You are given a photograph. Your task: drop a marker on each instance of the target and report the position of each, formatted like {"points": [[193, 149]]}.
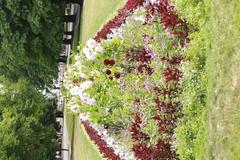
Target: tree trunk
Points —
{"points": [[69, 18]]}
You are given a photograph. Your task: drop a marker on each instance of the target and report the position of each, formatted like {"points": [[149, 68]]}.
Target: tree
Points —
{"points": [[26, 123], [30, 39]]}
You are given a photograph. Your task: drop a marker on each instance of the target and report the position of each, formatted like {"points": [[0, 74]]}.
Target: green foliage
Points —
{"points": [[30, 42], [194, 12], [209, 127], [26, 123], [31, 33], [191, 132]]}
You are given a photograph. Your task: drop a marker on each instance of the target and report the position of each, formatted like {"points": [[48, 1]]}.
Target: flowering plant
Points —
{"points": [[127, 78]]}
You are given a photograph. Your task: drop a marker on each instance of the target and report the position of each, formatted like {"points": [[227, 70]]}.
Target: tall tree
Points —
{"points": [[30, 39], [26, 123]]}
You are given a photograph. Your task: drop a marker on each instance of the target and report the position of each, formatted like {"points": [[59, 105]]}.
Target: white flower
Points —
{"points": [[110, 141], [91, 43], [74, 108], [84, 117], [75, 90], [82, 75], [91, 102], [86, 50], [86, 85], [77, 58], [140, 18], [85, 98], [95, 72], [152, 1], [91, 55], [99, 49], [89, 52], [78, 64]]}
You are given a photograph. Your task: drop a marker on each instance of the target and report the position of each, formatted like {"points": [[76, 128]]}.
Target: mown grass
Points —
{"points": [[224, 81], [70, 117], [83, 148], [94, 14]]}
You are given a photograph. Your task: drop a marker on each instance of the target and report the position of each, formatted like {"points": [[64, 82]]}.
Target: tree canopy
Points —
{"points": [[30, 39], [31, 33], [26, 123]]}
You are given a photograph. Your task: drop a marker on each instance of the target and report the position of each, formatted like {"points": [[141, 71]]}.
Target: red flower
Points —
{"points": [[157, 90], [106, 62], [159, 104], [172, 74], [117, 75], [111, 62], [108, 72], [75, 81], [137, 101]]}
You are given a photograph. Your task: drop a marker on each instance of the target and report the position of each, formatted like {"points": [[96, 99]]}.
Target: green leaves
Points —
{"points": [[31, 33], [30, 42], [23, 129]]}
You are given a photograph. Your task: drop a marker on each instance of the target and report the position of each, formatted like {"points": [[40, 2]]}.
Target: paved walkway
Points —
{"points": [[66, 142]]}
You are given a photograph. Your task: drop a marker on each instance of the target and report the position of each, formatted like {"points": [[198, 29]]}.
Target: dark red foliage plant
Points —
{"points": [[164, 10], [118, 20], [136, 134], [107, 151]]}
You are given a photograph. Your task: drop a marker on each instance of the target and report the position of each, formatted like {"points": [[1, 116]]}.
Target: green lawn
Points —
{"points": [[70, 117], [224, 81], [83, 148], [94, 14]]}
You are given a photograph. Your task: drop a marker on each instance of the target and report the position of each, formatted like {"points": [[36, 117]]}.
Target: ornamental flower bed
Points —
{"points": [[107, 152], [128, 80]]}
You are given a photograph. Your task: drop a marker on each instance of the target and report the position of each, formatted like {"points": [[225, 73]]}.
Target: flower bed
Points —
{"points": [[127, 80], [107, 152]]}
